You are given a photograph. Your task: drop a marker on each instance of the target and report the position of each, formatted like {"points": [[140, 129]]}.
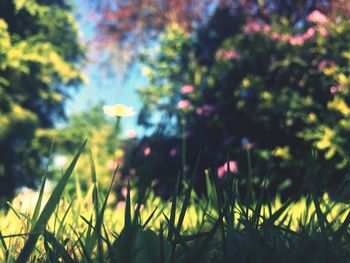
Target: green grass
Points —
{"points": [[221, 227]]}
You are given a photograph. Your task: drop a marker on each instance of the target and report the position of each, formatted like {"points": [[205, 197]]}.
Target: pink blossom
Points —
{"points": [[187, 89], [276, 36], [147, 151], [296, 40], [333, 90], [323, 31], [325, 63], [184, 104], [309, 33], [336, 89], [266, 28], [112, 165], [222, 170], [228, 54], [173, 152], [121, 205], [317, 17], [124, 191], [131, 134], [255, 27]]}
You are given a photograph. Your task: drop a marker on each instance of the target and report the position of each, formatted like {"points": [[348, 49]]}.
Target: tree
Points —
{"points": [[127, 26], [39, 56]]}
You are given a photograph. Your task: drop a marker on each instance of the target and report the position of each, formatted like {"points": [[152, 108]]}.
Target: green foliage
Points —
{"points": [[100, 130], [39, 55], [266, 85]]}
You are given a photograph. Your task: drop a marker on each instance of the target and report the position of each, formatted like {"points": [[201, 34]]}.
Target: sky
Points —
{"points": [[111, 89]]}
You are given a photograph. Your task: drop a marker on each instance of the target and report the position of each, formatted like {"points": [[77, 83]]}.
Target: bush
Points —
{"points": [[275, 89]]}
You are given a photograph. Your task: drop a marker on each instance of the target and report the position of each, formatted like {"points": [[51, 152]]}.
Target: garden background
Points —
{"points": [[225, 122]]}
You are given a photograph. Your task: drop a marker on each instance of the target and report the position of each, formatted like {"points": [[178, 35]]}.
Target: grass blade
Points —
{"points": [[48, 210]]}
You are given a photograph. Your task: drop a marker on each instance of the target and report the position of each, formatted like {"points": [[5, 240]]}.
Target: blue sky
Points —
{"points": [[111, 90]]}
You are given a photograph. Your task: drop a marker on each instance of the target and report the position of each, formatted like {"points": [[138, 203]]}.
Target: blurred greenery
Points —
{"points": [[39, 59], [264, 85]]}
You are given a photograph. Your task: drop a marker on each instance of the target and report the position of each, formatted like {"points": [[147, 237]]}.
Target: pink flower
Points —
{"points": [[147, 151], [121, 205], [336, 89], [323, 31], [296, 40], [112, 165], [317, 17], [256, 27], [333, 89], [124, 191], [173, 152], [325, 63], [222, 170], [266, 28], [131, 134], [228, 54], [187, 89], [309, 33], [276, 36], [184, 104]]}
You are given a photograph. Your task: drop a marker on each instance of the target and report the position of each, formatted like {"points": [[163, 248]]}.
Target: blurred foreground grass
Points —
{"points": [[54, 226]]}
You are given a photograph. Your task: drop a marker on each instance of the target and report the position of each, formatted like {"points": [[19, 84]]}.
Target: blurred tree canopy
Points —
{"points": [[130, 25], [39, 56]]}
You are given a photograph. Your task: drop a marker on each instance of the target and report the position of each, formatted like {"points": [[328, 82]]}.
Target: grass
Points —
{"points": [[221, 227]]}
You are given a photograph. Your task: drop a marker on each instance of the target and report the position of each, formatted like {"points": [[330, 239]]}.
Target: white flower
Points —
{"points": [[118, 110]]}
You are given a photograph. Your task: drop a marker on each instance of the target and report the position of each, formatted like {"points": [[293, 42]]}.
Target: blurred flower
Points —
{"points": [[283, 152], [276, 36], [296, 40], [325, 63], [206, 110], [322, 30], [312, 117], [147, 151], [124, 191], [60, 161], [146, 71], [246, 144], [121, 205], [118, 110], [119, 153], [173, 152], [309, 33], [187, 89], [222, 170], [334, 89], [184, 104], [26, 198], [256, 27], [132, 171], [228, 54], [131, 134], [155, 182], [317, 17], [112, 165]]}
